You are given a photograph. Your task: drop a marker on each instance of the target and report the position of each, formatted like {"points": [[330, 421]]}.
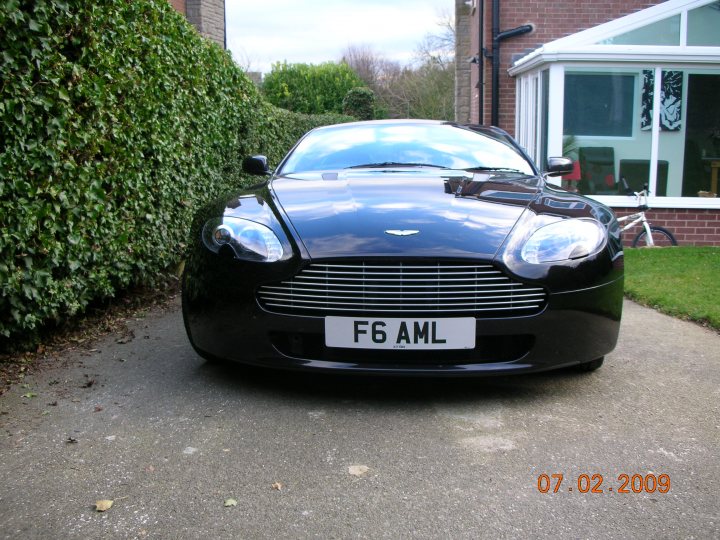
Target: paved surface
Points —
{"points": [[170, 438]]}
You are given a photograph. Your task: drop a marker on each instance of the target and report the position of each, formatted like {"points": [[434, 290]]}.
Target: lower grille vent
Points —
{"points": [[386, 288]]}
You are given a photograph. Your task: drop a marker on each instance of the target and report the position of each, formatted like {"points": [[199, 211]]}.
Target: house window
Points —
{"points": [[629, 113], [608, 123], [699, 144], [545, 107], [703, 24], [599, 104], [602, 130]]}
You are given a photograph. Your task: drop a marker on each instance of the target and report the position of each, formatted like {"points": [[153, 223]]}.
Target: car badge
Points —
{"points": [[401, 232]]}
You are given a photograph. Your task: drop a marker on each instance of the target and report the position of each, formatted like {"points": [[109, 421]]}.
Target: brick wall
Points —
{"points": [[179, 5], [463, 48], [691, 227], [208, 16], [552, 20]]}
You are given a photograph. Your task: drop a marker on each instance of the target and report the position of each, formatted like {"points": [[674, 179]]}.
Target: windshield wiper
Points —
{"points": [[481, 168], [394, 164]]}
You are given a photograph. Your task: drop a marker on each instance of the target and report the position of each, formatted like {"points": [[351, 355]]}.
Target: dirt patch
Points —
{"points": [[83, 331]]}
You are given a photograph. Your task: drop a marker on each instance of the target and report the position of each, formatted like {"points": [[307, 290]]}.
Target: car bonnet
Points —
{"points": [[413, 213]]}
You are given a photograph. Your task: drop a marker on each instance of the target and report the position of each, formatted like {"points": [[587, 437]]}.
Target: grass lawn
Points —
{"points": [[681, 281]]}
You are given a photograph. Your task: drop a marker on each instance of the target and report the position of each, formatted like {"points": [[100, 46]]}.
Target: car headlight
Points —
{"points": [[564, 240], [249, 241]]}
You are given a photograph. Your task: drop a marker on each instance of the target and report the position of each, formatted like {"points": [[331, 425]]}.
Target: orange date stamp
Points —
{"points": [[597, 483]]}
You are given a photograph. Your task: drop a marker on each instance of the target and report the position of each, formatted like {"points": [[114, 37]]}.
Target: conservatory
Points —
{"points": [[632, 101]]}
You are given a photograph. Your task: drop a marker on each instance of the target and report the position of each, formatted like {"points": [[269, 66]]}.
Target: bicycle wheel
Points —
{"points": [[661, 237]]}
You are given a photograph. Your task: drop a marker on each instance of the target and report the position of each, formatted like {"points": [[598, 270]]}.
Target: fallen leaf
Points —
{"points": [[103, 505], [29, 395], [230, 502], [358, 470], [278, 486], [126, 338]]}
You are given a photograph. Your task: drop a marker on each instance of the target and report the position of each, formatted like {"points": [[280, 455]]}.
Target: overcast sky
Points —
{"points": [[260, 33]]}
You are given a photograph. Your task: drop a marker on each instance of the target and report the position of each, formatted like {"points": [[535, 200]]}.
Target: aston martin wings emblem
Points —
{"points": [[401, 232]]}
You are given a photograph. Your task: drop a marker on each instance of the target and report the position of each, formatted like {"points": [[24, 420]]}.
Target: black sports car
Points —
{"points": [[405, 247]]}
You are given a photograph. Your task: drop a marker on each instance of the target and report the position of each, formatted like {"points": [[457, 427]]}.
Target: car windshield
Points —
{"points": [[395, 144]]}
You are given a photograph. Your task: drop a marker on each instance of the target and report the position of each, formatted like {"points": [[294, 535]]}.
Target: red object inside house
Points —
{"points": [[575, 174]]}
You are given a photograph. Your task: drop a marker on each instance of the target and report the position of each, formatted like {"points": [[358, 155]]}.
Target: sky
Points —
{"points": [[260, 33]]}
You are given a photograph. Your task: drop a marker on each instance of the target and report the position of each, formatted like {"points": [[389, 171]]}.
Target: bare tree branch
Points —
{"points": [[425, 89]]}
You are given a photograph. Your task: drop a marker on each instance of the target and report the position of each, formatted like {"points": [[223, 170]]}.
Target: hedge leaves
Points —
{"points": [[117, 120]]}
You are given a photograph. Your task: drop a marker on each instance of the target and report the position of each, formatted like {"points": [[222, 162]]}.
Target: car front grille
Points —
{"points": [[407, 288]]}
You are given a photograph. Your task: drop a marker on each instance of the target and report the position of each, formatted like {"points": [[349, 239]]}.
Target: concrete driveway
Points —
{"points": [[170, 438]]}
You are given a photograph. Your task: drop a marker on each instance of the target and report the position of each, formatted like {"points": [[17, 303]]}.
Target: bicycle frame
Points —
{"points": [[639, 217]]}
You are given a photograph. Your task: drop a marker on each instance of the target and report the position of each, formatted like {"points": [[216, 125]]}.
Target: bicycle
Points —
{"points": [[650, 235]]}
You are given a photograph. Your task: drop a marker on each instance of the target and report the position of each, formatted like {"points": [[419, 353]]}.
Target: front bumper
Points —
{"points": [[224, 321]]}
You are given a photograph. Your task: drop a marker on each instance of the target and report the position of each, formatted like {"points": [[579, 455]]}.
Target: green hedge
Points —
{"points": [[309, 88], [360, 103], [274, 131], [117, 120]]}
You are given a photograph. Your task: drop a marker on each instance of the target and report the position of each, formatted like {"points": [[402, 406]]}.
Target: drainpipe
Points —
{"points": [[481, 62], [224, 26], [497, 37]]}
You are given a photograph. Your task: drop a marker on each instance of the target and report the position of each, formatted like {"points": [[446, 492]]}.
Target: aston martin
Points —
{"points": [[405, 247]]}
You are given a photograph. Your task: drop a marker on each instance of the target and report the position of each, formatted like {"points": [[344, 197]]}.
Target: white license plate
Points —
{"points": [[390, 333]]}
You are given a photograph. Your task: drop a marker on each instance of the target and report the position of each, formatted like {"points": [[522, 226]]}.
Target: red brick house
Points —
{"points": [[585, 78]]}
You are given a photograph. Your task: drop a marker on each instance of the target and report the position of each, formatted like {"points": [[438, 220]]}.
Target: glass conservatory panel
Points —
{"points": [[703, 25], [602, 128], [700, 139], [599, 104], [665, 32]]}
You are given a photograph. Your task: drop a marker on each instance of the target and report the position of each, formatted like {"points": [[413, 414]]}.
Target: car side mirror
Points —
{"points": [[256, 165], [557, 166]]}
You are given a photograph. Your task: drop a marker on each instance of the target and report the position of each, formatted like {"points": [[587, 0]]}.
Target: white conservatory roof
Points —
{"points": [[676, 31]]}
